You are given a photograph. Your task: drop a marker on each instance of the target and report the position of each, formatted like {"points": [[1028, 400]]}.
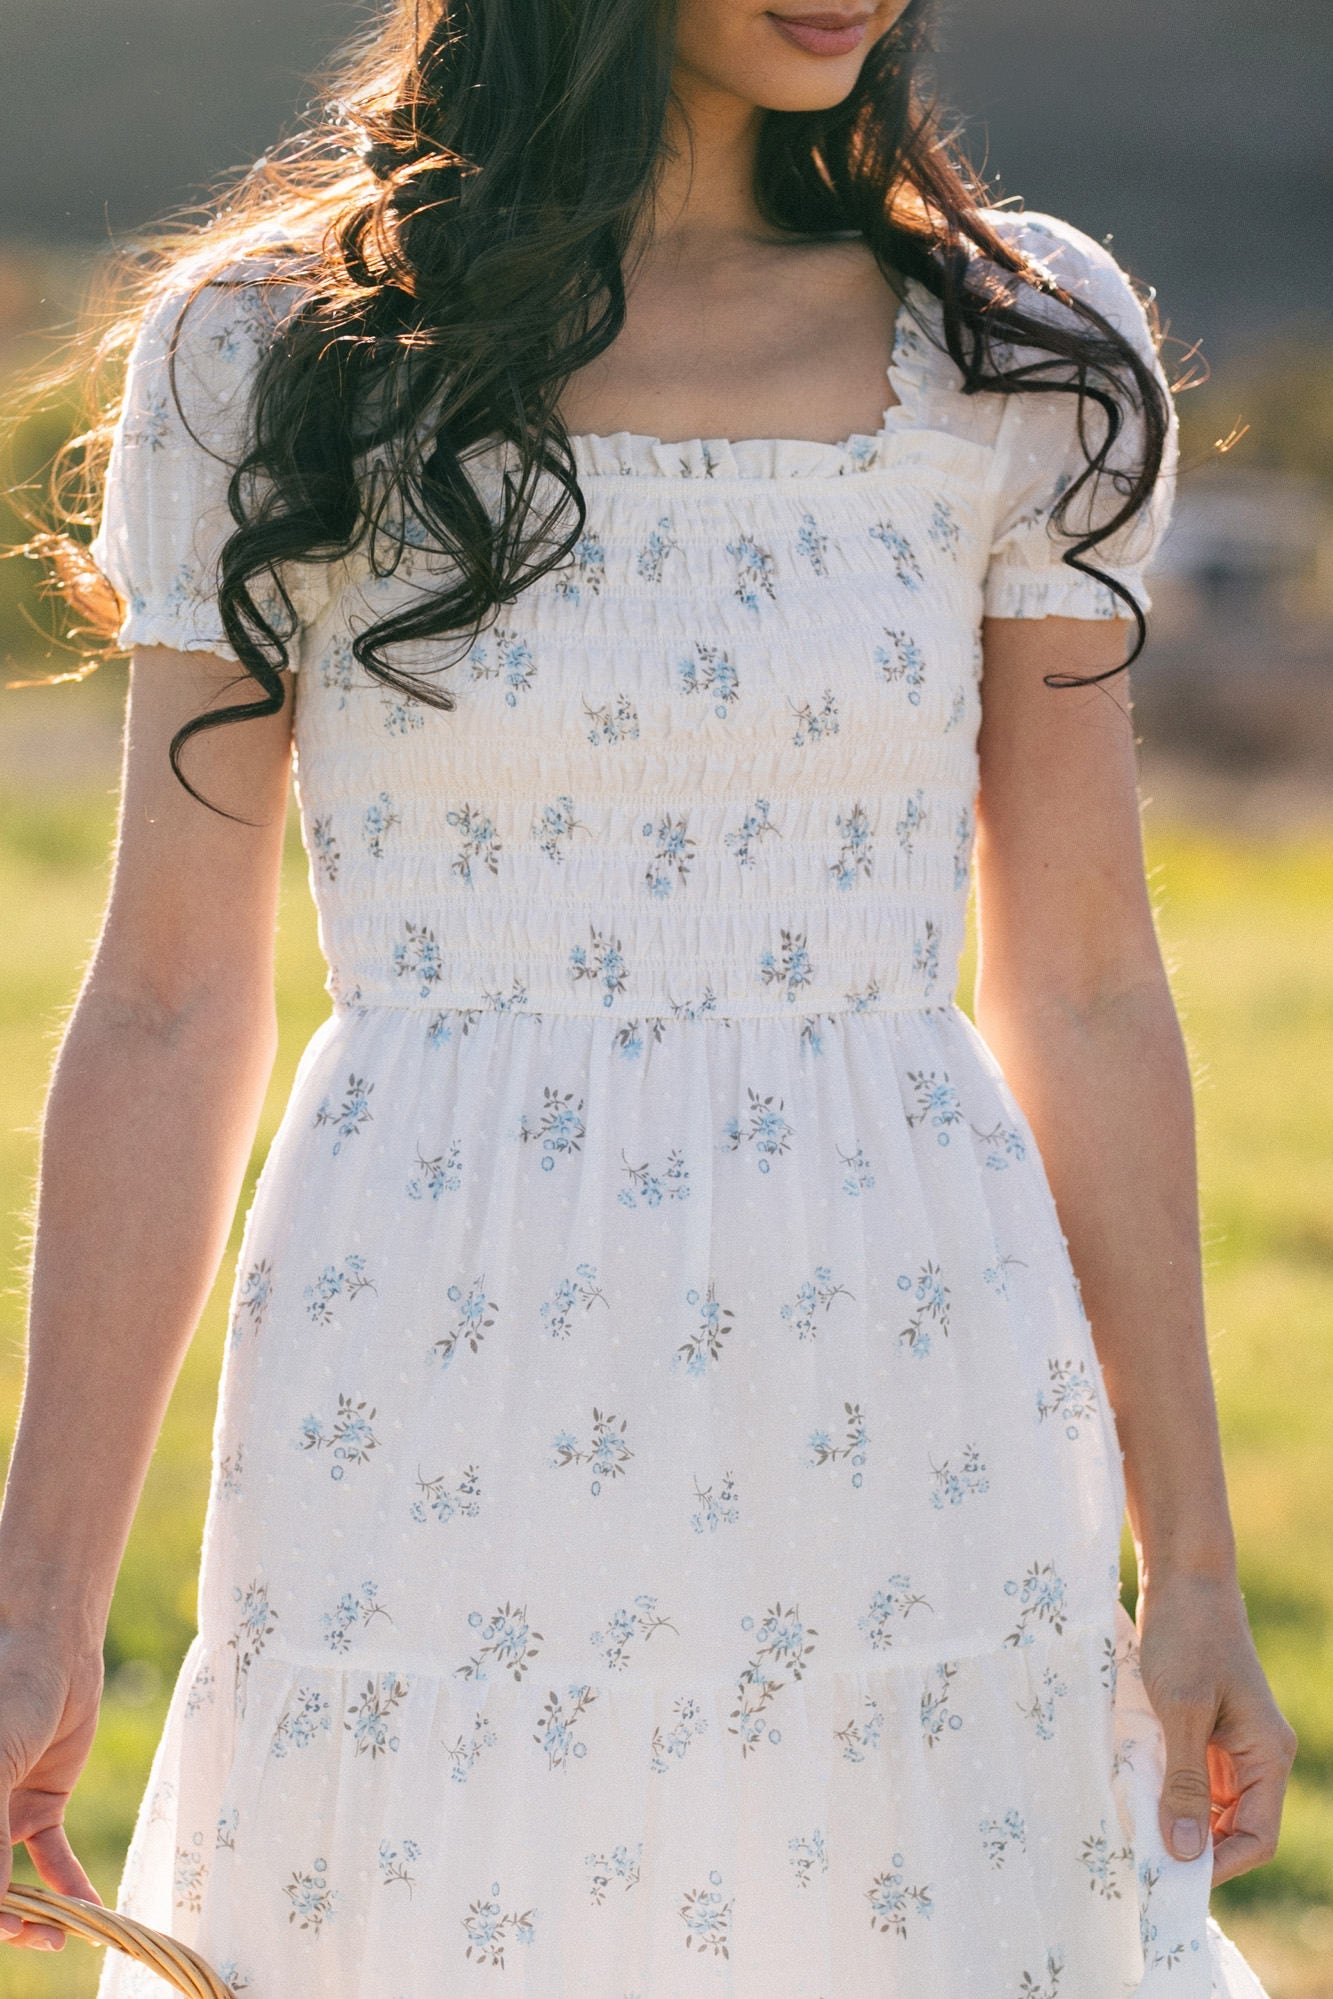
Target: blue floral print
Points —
{"points": [[491, 1928], [893, 1902], [606, 1452], [706, 1342], [669, 1745], [717, 1507], [706, 1914], [625, 1627], [709, 670], [902, 663], [651, 1245]]}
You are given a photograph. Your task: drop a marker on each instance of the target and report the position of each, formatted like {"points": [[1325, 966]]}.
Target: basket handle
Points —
{"points": [[181, 1967]]}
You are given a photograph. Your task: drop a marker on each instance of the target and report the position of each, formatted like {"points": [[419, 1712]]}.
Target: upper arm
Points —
{"points": [[190, 921], [1063, 903], [1062, 898]]}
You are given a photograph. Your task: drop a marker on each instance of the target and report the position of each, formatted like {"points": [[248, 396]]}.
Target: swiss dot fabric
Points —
{"points": [[665, 1509]]}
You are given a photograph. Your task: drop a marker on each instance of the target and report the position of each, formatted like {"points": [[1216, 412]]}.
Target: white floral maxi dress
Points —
{"points": [[665, 1511]]}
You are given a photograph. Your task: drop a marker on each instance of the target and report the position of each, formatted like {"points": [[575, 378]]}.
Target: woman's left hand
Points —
{"points": [[1229, 1748]]}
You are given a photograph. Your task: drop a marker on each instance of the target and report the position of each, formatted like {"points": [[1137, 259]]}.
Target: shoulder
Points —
{"points": [[196, 342], [1081, 265]]}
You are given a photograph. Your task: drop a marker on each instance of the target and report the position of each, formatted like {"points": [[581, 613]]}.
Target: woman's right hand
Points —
{"points": [[49, 1697]]}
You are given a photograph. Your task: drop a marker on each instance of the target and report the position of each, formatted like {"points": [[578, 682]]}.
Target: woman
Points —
{"points": [[666, 1497]]}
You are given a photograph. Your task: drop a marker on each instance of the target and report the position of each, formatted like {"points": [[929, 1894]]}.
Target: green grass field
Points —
{"points": [[1245, 924]]}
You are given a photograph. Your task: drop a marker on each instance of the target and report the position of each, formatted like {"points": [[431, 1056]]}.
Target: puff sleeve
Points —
{"points": [[1038, 455], [164, 516]]}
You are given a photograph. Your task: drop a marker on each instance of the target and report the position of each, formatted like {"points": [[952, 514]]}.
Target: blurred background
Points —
{"points": [[1195, 138]]}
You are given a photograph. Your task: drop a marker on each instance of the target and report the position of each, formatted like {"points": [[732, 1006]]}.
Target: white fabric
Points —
{"points": [[665, 1512]]}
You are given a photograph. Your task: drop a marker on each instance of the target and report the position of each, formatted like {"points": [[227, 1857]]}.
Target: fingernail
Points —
{"points": [[1187, 1838]]}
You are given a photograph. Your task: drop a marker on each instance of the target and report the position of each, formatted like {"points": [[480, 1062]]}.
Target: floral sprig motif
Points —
{"points": [[816, 1294], [349, 1436], [417, 956], [673, 856], [705, 1343], [491, 1929], [754, 571], [755, 825], [621, 1865], [369, 1717], [1049, 1988], [448, 1501], [395, 1862], [902, 663], [625, 1626], [999, 1835], [823, 1450], [256, 1622], [861, 1735], [782, 1641], [892, 1902], [343, 1280], [716, 1508], [508, 1644], [789, 966], [616, 721], [936, 1102], [710, 671], [937, 1716], [479, 844], [706, 1915], [905, 565], [474, 1316], [1041, 1596], [764, 1127], [894, 1600], [606, 1453], [813, 724], [348, 1117], [557, 1311], [311, 1897], [353, 1607], [930, 1294], [554, 1732], [1103, 1862], [440, 1174], [509, 660], [855, 858], [600, 960], [1071, 1397], [559, 1129], [670, 1745], [956, 1482]]}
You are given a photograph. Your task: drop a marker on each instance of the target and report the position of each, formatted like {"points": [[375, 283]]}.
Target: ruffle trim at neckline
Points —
{"points": [[915, 359]]}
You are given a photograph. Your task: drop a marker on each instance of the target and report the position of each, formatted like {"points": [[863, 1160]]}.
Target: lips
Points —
{"points": [[823, 34]]}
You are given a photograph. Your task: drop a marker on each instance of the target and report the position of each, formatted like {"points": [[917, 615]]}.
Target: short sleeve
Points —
{"points": [[1038, 455], [165, 516]]}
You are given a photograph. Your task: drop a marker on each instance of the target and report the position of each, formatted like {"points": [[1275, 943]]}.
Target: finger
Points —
{"points": [[53, 1857], [1183, 1811], [10, 1924], [1251, 1836]]}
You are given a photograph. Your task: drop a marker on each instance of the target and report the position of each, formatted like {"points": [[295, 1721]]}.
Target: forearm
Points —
{"points": [[1106, 1088], [145, 1139]]}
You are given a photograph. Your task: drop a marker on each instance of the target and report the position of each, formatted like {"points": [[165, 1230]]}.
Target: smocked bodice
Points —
{"points": [[722, 762]]}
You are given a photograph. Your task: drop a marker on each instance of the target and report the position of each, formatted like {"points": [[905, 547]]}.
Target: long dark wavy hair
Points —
{"points": [[463, 203]]}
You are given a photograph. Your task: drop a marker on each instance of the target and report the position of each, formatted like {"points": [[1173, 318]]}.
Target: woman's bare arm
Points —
{"points": [[1073, 998], [147, 1131]]}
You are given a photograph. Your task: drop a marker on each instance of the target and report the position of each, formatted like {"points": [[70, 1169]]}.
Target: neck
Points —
{"points": [[704, 199]]}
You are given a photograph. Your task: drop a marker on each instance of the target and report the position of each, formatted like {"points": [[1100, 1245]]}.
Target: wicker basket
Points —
{"points": [[183, 1969]]}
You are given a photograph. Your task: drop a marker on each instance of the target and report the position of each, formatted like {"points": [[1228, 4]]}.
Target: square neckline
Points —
{"points": [[643, 443]]}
